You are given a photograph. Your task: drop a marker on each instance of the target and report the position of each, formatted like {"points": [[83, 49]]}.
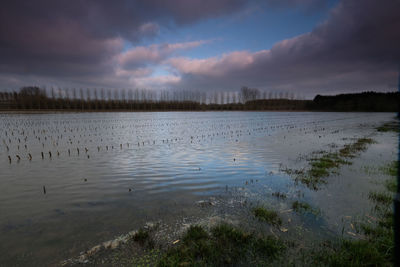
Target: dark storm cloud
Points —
{"points": [[356, 48], [81, 37]]}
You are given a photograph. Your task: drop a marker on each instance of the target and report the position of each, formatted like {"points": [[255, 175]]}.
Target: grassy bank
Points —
{"points": [[223, 245]]}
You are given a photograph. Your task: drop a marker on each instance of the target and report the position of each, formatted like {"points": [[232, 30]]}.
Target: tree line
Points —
{"points": [[366, 101], [36, 98]]}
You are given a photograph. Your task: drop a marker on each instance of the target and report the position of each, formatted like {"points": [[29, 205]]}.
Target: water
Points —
{"points": [[135, 167]]}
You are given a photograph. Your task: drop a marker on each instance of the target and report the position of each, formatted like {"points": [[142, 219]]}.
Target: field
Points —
{"points": [[283, 182]]}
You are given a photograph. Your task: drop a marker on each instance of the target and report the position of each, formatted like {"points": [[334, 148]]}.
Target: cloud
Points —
{"points": [[60, 48], [356, 48], [136, 65], [81, 43], [217, 66], [149, 29], [138, 72], [143, 55], [76, 39]]}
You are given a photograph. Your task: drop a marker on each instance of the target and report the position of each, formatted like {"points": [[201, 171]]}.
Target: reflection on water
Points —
{"points": [[107, 173]]}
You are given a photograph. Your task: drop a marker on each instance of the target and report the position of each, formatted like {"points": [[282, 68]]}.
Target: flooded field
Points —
{"points": [[71, 181]]}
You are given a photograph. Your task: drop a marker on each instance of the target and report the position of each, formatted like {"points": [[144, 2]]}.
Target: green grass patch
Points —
{"points": [[303, 207], [325, 165], [391, 186], [269, 216], [346, 152], [143, 238], [350, 150], [279, 195], [392, 126], [362, 142], [391, 168], [150, 258], [381, 197], [311, 182], [320, 168], [351, 253], [225, 245]]}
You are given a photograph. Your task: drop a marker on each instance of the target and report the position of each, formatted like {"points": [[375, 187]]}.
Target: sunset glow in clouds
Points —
{"points": [[306, 46]]}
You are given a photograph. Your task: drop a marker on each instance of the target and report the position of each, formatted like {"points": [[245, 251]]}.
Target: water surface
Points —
{"points": [[108, 173]]}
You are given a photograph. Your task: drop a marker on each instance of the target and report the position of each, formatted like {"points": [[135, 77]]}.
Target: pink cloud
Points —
{"points": [[217, 66], [143, 55]]}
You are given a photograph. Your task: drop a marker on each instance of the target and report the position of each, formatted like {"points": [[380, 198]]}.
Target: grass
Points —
{"points": [[149, 259], [390, 169], [224, 245], [143, 238], [349, 150], [377, 249], [269, 216], [311, 182], [303, 207], [320, 168], [391, 185], [380, 197], [326, 164], [389, 127], [279, 195], [351, 253]]}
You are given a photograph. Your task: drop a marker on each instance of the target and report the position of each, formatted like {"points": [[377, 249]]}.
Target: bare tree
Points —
{"points": [[247, 94]]}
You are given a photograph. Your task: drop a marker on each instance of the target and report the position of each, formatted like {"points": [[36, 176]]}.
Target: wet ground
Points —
{"points": [[107, 174]]}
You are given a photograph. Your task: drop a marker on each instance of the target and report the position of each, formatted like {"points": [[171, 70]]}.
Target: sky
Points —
{"points": [[304, 47]]}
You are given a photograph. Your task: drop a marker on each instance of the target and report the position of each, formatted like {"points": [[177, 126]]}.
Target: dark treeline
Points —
{"points": [[367, 101], [36, 98]]}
